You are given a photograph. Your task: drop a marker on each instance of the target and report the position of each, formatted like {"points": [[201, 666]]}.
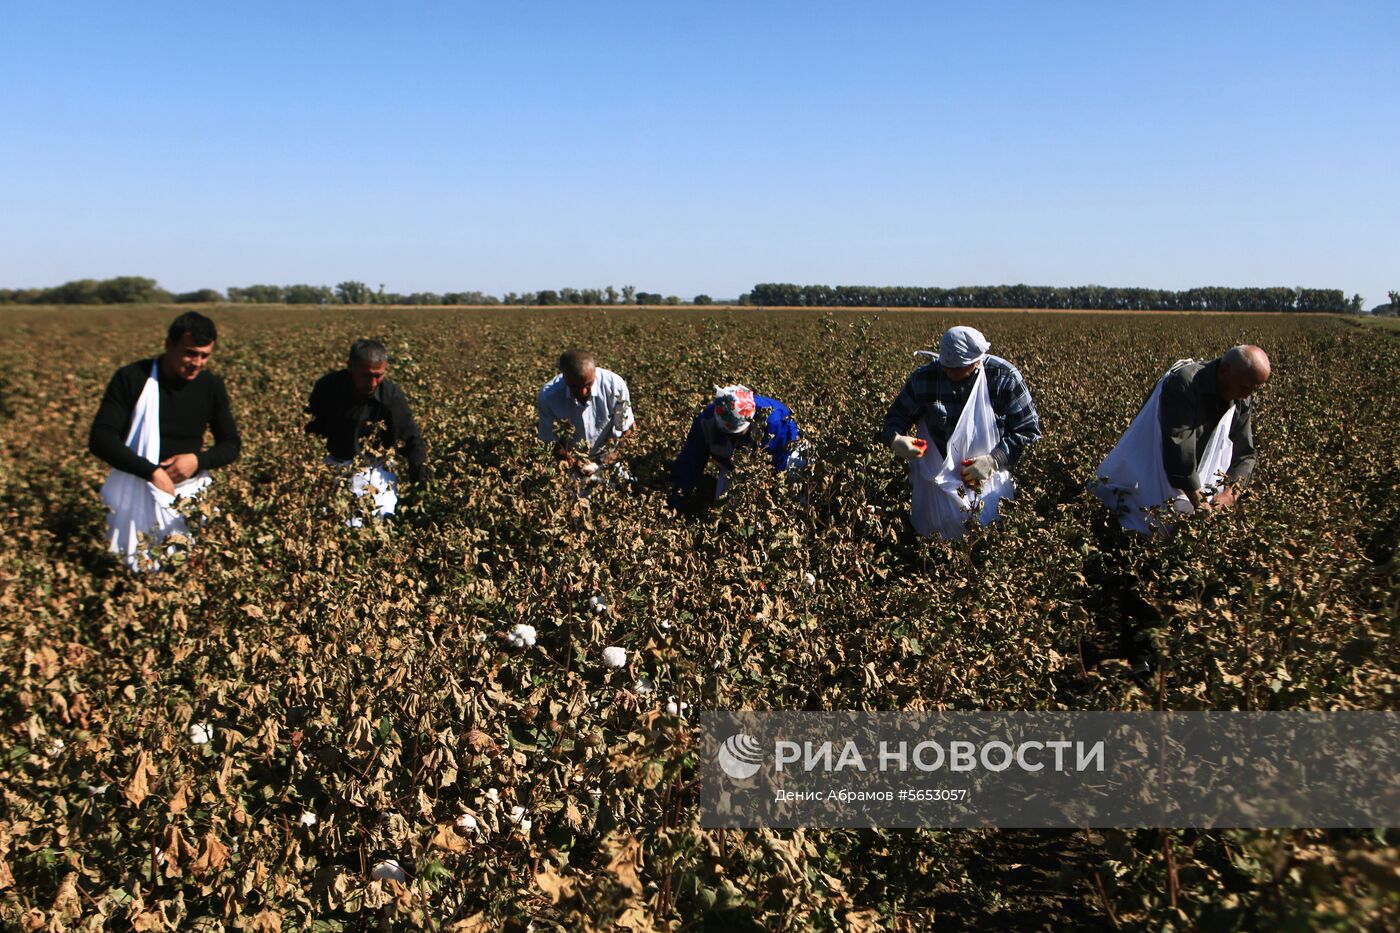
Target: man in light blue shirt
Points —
{"points": [[595, 402]]}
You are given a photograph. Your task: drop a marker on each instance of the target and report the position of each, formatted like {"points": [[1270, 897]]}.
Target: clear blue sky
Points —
{"points": [[687, 148]]}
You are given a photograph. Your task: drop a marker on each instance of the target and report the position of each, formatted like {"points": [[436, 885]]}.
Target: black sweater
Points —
{"points": [[186, 410], [345, 421]]}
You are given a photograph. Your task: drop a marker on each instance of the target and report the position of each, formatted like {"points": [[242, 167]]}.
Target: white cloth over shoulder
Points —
{"points": [[606, 415], [135, 506], [937, 506], [1133, 480], [375, 480]]}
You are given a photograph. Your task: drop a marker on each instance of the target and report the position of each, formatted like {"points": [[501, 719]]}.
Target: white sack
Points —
{"points": [[135, 506], [937, 505]]}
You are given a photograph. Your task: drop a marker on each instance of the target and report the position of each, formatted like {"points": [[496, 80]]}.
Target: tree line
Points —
{"points": [[132, 289], [1079, 297]]}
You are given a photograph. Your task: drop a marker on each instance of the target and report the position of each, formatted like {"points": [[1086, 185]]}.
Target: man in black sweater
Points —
{"points": [[357, 404], [191, 401]]}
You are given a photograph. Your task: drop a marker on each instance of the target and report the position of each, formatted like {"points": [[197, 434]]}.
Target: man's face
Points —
{"points": [[367, 376], [961, 372], [581, 387], [184, 359]]}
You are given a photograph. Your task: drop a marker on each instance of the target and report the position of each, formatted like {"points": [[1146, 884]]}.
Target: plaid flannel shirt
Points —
{"points": [[928, 393]]}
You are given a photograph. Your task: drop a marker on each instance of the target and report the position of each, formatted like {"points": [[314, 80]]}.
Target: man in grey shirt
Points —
{"points": [[1194, 399]]}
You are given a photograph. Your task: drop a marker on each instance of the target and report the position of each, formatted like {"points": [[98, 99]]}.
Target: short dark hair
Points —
{"points": [[367, 351], [201, 330], [573, 363]]}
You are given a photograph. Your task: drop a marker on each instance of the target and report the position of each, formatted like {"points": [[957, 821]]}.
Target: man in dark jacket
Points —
{"points": [[150, 429], [357, 405], [1194, 398]]}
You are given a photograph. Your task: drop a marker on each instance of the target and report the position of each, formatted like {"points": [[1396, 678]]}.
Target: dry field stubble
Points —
{"points": [[361, 677]]}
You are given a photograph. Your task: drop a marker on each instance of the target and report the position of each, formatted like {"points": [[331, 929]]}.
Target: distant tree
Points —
{"points": [[129, 289], [80, 291], [569, 296], [1394, 302], [610, 295], [352, 293], [673, 299], [201, 296], [511, 298], [1355, 303], [547, 297], [629, 294], [649, 298], [257, 294], [704, 300], [307, 295]]}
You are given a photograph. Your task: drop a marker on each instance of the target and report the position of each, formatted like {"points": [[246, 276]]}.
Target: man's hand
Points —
{"points": [[978, 470], [180, 467], [1197, 500], [162, 481], [908, 448], [1226, 497]]}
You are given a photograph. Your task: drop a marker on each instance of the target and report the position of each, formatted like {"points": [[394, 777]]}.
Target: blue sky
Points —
{"points": [[687, 148]]}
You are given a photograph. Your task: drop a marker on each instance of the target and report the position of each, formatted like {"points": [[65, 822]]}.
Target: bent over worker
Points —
{"points": [[974, 418]]}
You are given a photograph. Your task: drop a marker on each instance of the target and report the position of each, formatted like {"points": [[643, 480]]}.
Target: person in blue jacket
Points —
{"points": [[728, 424]]}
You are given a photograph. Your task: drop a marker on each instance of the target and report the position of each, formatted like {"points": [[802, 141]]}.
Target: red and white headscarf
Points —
{"points": [[734, 408]]}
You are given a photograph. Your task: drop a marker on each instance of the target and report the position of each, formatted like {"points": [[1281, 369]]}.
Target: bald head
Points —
{"points": [[578, 369], [1243, 369]]}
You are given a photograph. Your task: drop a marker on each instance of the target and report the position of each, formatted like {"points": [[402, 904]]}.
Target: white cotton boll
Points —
{"points": [[810, 579], [643, 686], [666, 624], [96, 790], [468, 823], [388, 870], [308, 819], [55, 748], [613, 656], [593, 601], [600, 608], [589, 468], [493, 795], [675, 707], [518, 817], [201, 733], [522, 636]]}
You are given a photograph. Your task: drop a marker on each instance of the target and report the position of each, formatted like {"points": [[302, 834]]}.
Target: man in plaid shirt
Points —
{"points": [[937, 392]]}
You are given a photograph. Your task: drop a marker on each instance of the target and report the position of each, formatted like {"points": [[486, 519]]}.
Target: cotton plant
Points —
{"points": [[521, 636], [389, 870]]}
